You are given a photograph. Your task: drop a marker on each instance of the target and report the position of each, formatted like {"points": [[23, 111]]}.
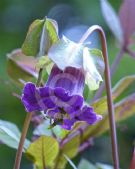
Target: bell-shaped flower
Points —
{"points": [[61, 98], [65, 53]]}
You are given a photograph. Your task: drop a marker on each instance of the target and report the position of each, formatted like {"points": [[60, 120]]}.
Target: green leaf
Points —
{"points": [[69, 149], [122, 85], [10, 135], [43, 151], [84, 164], [100, 105], [112, 20], [91, 61], [40, 37], [123, 109], [44, 63], [49, 36], [21, 67], [30, 46]]}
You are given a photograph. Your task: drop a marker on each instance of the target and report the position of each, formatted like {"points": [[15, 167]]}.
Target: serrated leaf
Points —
{"points": [[84, 164], [112, 20], [41, 35], [21, 67], [43, 151], [126, 14], [10, 135], [90, 64]]}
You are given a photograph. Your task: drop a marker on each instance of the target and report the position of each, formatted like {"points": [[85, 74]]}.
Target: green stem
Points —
{"points": [[108, 90], [24, 130]]}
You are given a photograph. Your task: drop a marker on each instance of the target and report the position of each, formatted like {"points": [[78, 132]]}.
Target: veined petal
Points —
{"points": [[88, 115], [92, 76], [67, 124], [71, 79], [66, 53], [37, 99], [29, 98], [46, 98]]}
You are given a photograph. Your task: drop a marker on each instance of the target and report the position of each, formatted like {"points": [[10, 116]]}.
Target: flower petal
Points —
{"points": [[93, 77], [67, 124], [88, 115], [29, 99], [66, 53], [71, 79]]}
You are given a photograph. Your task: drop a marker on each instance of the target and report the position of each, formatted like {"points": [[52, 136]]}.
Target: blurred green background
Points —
{"points": [[15, 18]]}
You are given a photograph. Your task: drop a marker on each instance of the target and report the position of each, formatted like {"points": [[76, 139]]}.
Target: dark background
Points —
{"points": [[15, 18]]}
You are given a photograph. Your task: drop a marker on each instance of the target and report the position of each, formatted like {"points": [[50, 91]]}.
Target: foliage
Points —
{"points": [[55, 147]]}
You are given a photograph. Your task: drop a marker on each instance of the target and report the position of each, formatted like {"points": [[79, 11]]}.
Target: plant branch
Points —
{"points": [[130, 52], [108, 90]]}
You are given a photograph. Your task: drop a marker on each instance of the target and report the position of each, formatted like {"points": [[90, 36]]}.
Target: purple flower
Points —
{"points": [[61, 98]]}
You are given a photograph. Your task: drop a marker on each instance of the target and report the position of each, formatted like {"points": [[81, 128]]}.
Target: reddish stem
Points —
{"points": [[132, 164], [108, 90]]}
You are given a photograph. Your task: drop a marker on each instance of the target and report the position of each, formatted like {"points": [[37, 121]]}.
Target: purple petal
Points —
{"points": [[88, 115], [66, 101], [52, 113], [71, 79], [61, 94], [67, 124], [29, 99], [36, 99]]}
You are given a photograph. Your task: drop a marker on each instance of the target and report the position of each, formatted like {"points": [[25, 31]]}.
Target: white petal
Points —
{"points": [[92, 76], [66, 53]]}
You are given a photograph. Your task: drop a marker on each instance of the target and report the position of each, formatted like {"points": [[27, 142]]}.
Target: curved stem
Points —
{"points": [[108, 90], [25, 130]]}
